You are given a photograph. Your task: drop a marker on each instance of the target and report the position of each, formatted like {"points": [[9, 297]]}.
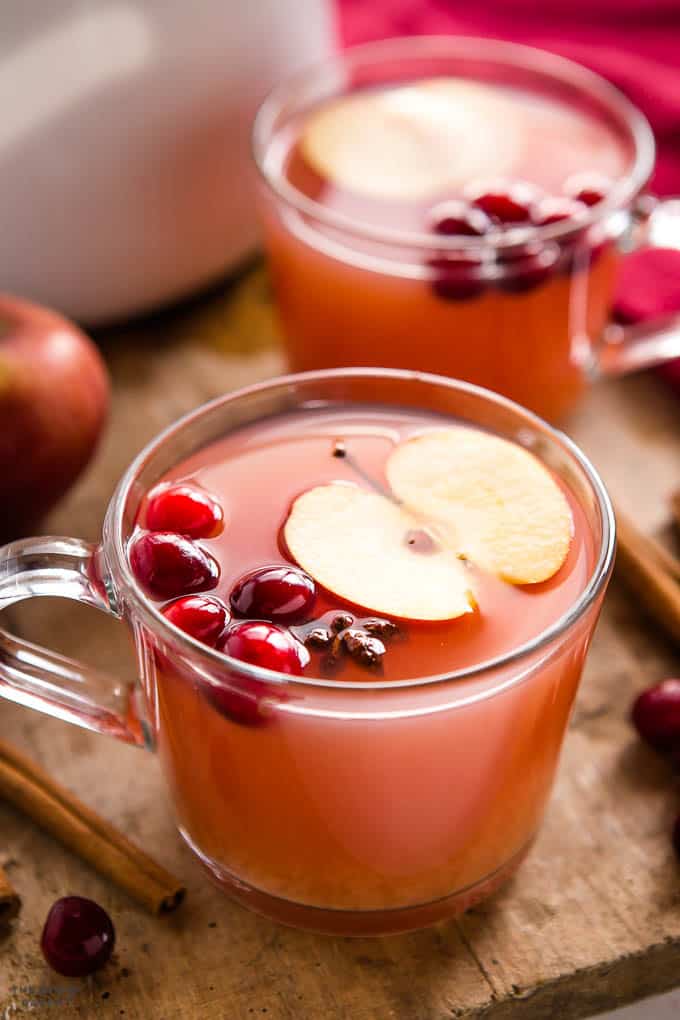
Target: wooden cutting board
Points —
{"points": [[591, 921]]}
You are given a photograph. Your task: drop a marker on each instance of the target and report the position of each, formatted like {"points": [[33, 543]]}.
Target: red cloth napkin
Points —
{"points": [[633, 43]]}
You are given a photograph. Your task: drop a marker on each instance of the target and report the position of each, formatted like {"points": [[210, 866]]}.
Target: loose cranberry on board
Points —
{"points": [[656, 715], [78, 937]]}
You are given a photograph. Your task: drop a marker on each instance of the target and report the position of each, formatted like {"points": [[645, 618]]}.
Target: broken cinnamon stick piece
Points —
{"points": [[10, 902]]}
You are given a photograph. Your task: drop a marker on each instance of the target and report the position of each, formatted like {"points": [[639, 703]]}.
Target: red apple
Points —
{"points": [[54, 394]]}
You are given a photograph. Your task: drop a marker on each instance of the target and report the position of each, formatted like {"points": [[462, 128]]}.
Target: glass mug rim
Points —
{"points": [[114, 542], [513, 55]]}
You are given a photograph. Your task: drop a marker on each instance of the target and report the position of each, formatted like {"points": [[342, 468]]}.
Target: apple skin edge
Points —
{"points": [[54, 398]]}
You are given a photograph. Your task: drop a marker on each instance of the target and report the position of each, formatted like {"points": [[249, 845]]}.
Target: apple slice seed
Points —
{"points": [[352, 542], [503, 508]]}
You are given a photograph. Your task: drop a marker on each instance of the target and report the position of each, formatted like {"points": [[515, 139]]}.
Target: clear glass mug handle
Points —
{"points": [[629, 348], [44, 680]]}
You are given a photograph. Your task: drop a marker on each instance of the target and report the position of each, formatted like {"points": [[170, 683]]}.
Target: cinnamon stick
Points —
{"points": [[10, 903], [652, 571], [26, 786]]}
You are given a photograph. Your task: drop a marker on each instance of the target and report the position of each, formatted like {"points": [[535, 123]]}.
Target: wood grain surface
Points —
{"points": [[591, 921]]}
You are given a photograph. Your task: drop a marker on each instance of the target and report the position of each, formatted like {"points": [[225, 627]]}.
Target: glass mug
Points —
{"points": [[352, 811], [352, 293]]}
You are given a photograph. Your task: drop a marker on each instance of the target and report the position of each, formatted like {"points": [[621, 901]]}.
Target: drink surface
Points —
{"points": [[449, 159], [443, 136], [256, 473]]}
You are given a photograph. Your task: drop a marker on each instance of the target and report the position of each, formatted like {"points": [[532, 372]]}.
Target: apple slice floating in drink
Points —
{"points": [[494, 500], [477, 496], [411, 142], [356, 544]]}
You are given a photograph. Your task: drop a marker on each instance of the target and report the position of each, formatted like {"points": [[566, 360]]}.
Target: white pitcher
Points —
{"points": [[125, 172]]}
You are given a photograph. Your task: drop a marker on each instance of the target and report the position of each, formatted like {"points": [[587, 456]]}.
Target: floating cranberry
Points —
{"points": [[202, 616], [78, 937], [456, 278], [527, 269], [282, 593], [168, 565], [556, 210], [458, 218], [588, 188], [184, 509], [248, 702], [506, 202], [656, 715], [265, 645]]}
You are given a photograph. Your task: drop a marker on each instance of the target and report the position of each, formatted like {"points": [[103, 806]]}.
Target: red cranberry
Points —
{"points": [[456, 278], [656, 715], [556, 210], [248, 704], [202, 616], [527, 269], [506, 202], [459, 218], [168, 565], [588, 188], [78, 937], [248, 701], [265, 645], [280, 593], [184, 509]]}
